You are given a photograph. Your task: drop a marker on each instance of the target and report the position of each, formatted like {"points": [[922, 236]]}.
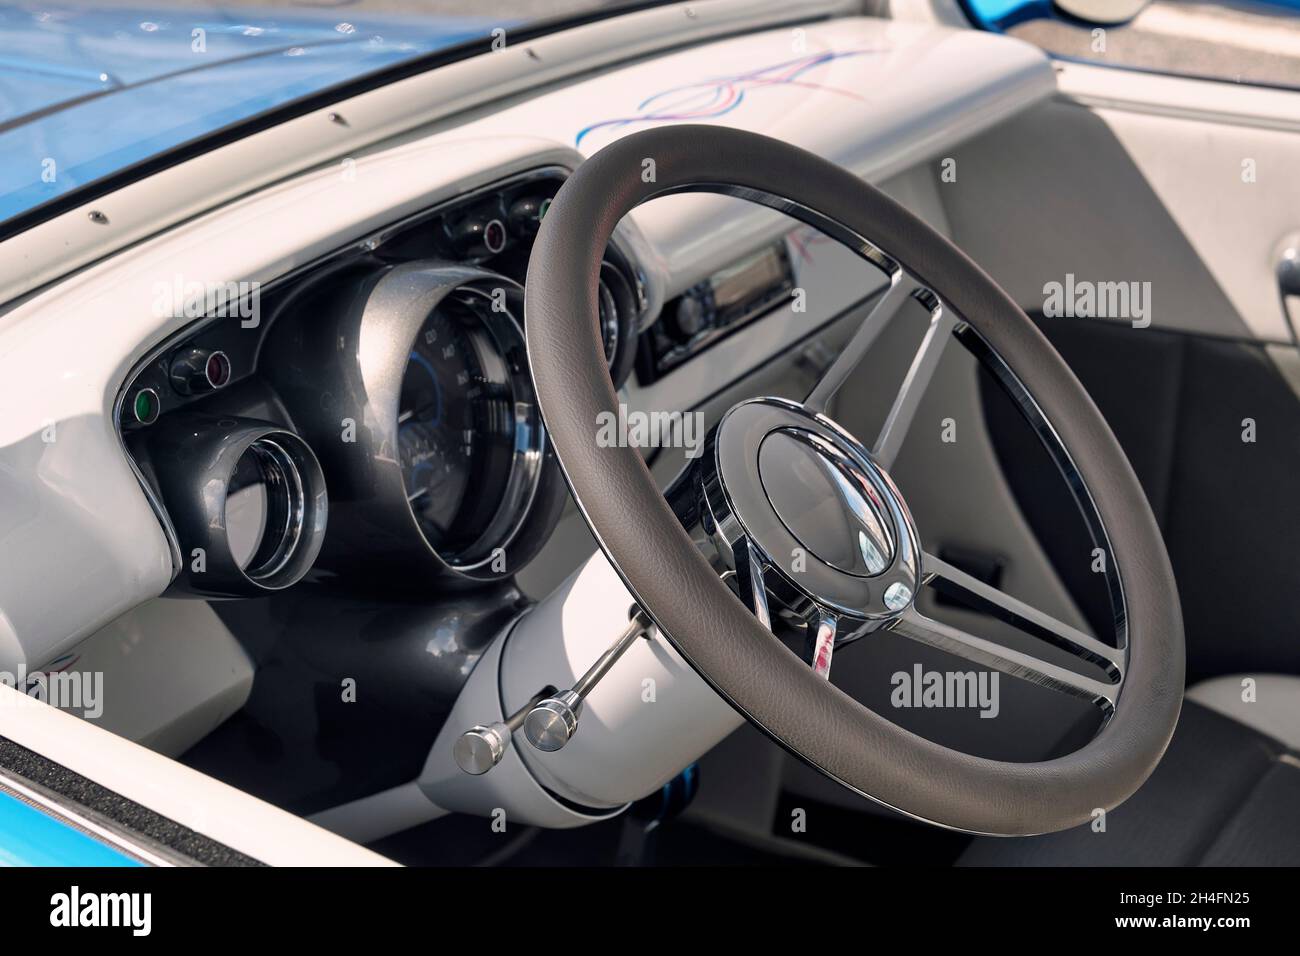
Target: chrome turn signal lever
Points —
{"points": [[553, 721], [550, 719]]}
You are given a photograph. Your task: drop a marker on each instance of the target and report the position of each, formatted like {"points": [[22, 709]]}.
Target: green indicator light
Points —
{"points": [[146, 406], [542, 209]]}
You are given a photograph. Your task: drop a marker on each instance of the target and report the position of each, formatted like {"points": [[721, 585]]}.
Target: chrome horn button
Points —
{"points": [[826, 501], [790, 493]]}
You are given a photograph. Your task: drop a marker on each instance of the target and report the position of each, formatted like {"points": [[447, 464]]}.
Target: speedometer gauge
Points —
{"points": [[413, 387], [458, 432], [435, 424]]}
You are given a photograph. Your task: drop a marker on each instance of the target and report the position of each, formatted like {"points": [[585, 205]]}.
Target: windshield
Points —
{"points": [[90, 88]]}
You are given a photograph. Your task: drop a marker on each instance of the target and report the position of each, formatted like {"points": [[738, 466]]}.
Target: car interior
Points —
{"points": [[627, 464]]}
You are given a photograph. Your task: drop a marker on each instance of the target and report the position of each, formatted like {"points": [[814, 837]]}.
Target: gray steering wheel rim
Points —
{"points": [[698, 613]]}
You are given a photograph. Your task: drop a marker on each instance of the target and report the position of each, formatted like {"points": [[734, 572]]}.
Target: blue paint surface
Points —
{"points": [[1001, 14], [29, 837], [87, 92]]}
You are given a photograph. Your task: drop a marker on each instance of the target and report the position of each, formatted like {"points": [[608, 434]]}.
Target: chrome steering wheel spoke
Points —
{"points": [[987, 653], [902, 286], [766, 582], [903, 289], [821, 643], [919, 373], [956, 583], [1102, 691], [700, 500], [751, 583]]}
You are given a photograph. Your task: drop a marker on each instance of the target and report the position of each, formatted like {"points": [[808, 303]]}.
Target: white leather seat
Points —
{"points": [[1274, 710]]}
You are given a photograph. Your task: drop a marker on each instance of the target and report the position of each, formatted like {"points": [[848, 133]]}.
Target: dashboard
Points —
{"points": [[381, 392], [293, 207]]}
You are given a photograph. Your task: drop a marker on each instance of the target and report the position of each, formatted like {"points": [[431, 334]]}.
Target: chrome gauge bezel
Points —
{"points": [[529, 444], [286, 507], [349, 411], [195, 458]]}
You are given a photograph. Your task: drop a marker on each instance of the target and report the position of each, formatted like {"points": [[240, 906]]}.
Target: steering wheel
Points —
{"points": [[779, 479]]}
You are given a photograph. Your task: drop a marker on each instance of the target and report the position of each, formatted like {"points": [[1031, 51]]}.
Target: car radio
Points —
{"points": [[710, 310]]}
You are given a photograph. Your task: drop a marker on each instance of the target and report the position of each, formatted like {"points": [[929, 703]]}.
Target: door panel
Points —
{"points": [[1226, 506]]}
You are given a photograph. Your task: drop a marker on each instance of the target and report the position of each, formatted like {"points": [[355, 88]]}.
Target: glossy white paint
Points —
{"points": [[899, 93], [78, 542], [171, 673], [508, 790], [649, 718]]}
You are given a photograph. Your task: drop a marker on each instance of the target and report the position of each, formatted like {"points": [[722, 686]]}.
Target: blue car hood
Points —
{"points": [[85, 92]]}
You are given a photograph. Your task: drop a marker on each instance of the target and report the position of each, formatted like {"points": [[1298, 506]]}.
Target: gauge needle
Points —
{"points": [[415, 494], [417, 410]]}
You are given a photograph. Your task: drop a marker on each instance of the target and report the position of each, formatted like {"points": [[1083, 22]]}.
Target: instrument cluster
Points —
{"points": [[385, 387]]}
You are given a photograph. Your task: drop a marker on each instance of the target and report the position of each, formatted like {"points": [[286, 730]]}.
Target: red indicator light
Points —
{"points": [[494, 236], [218, 369]]}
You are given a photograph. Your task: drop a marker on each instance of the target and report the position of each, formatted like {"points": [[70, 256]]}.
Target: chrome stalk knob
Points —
{"points": [[551, 724], [481, 748]]}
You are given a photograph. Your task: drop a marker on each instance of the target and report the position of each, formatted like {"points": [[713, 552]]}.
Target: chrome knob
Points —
{"points": [[552, 723], [481, 748]]}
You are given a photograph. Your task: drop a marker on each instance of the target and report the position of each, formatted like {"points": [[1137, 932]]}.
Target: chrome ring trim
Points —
{"points": [[289, 511], [500, 245], [147, 390], [530, 437], [743, 517], [207, 369]]}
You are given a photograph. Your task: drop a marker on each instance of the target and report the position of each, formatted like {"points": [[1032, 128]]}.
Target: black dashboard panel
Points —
{"points": [[399, 360]]}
